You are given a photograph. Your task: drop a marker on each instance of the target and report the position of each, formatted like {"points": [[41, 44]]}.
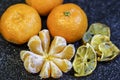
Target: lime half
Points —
{"points": [[85, 60]]}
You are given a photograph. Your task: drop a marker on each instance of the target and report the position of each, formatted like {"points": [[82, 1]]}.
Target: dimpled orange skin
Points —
{"points": [[20, 22], [69, 21], [0, 24], [44, 6]]}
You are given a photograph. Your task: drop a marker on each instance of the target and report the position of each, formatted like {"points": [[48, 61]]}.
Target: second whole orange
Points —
{"points": [[69, 21], [44, 6]]}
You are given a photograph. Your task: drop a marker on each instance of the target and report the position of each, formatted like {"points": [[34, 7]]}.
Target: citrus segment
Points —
{"points": [[57, 45], [63, 64], [45, 38], [23, 55], [85, 60], [55, 71], [46, 70], [64, 54], [96, 28], [32, 62], [35, 45]]}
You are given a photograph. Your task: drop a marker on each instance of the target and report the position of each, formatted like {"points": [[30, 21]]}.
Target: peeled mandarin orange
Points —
{"points": [[44, 6], [69, 21], [20, 22], [48, 59]]}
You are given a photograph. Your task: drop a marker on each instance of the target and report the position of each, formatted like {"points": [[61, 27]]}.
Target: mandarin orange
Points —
{"points": [[44, 6], [20, 22], [69, 21]]}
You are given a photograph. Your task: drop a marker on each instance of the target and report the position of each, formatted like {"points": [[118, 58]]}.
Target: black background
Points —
{"points": [[104, 11]]}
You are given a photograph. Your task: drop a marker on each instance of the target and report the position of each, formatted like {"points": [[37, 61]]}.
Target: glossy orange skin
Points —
{"points": [[20, 22], [71, 25], [44, 6]]}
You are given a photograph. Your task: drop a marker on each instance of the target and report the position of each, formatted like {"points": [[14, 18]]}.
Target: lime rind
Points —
{"points": [[109, 51], [96, 28], [85, 60], [105, 49], [98, 39]]}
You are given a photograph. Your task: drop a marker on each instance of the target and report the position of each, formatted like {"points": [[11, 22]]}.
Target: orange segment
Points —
{"points": [[35, 45], [55, 71], [57, 45], [63, 64], [24, 55], [32, 62], [45, 71], [67, 53], [45, 38]]}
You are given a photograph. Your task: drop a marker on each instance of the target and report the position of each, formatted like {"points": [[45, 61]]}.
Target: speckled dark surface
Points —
{"points": [[105, 11]]}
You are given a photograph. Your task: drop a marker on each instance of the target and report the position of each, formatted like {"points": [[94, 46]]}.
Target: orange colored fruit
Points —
{"points": [[69, 21], [0, 25], [44, 6], [20, 22]]}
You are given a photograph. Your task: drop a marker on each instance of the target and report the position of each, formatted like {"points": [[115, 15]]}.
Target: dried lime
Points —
{"points": [[96, 28], [108, 51], [98, 39], [85, 60]]}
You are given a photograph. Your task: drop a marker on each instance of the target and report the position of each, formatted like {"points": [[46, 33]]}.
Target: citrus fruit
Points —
{"points": [[20, 22], [49, 60], [0, 25], [96, 28], [44, 6], [108, 51], [85, 60], [105, 49], [98, 39], [67, 20]]}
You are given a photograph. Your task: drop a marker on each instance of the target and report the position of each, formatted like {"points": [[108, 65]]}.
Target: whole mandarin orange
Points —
{"points": [[69, 21], [20, 22], [44, 6], [0, 25]]}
